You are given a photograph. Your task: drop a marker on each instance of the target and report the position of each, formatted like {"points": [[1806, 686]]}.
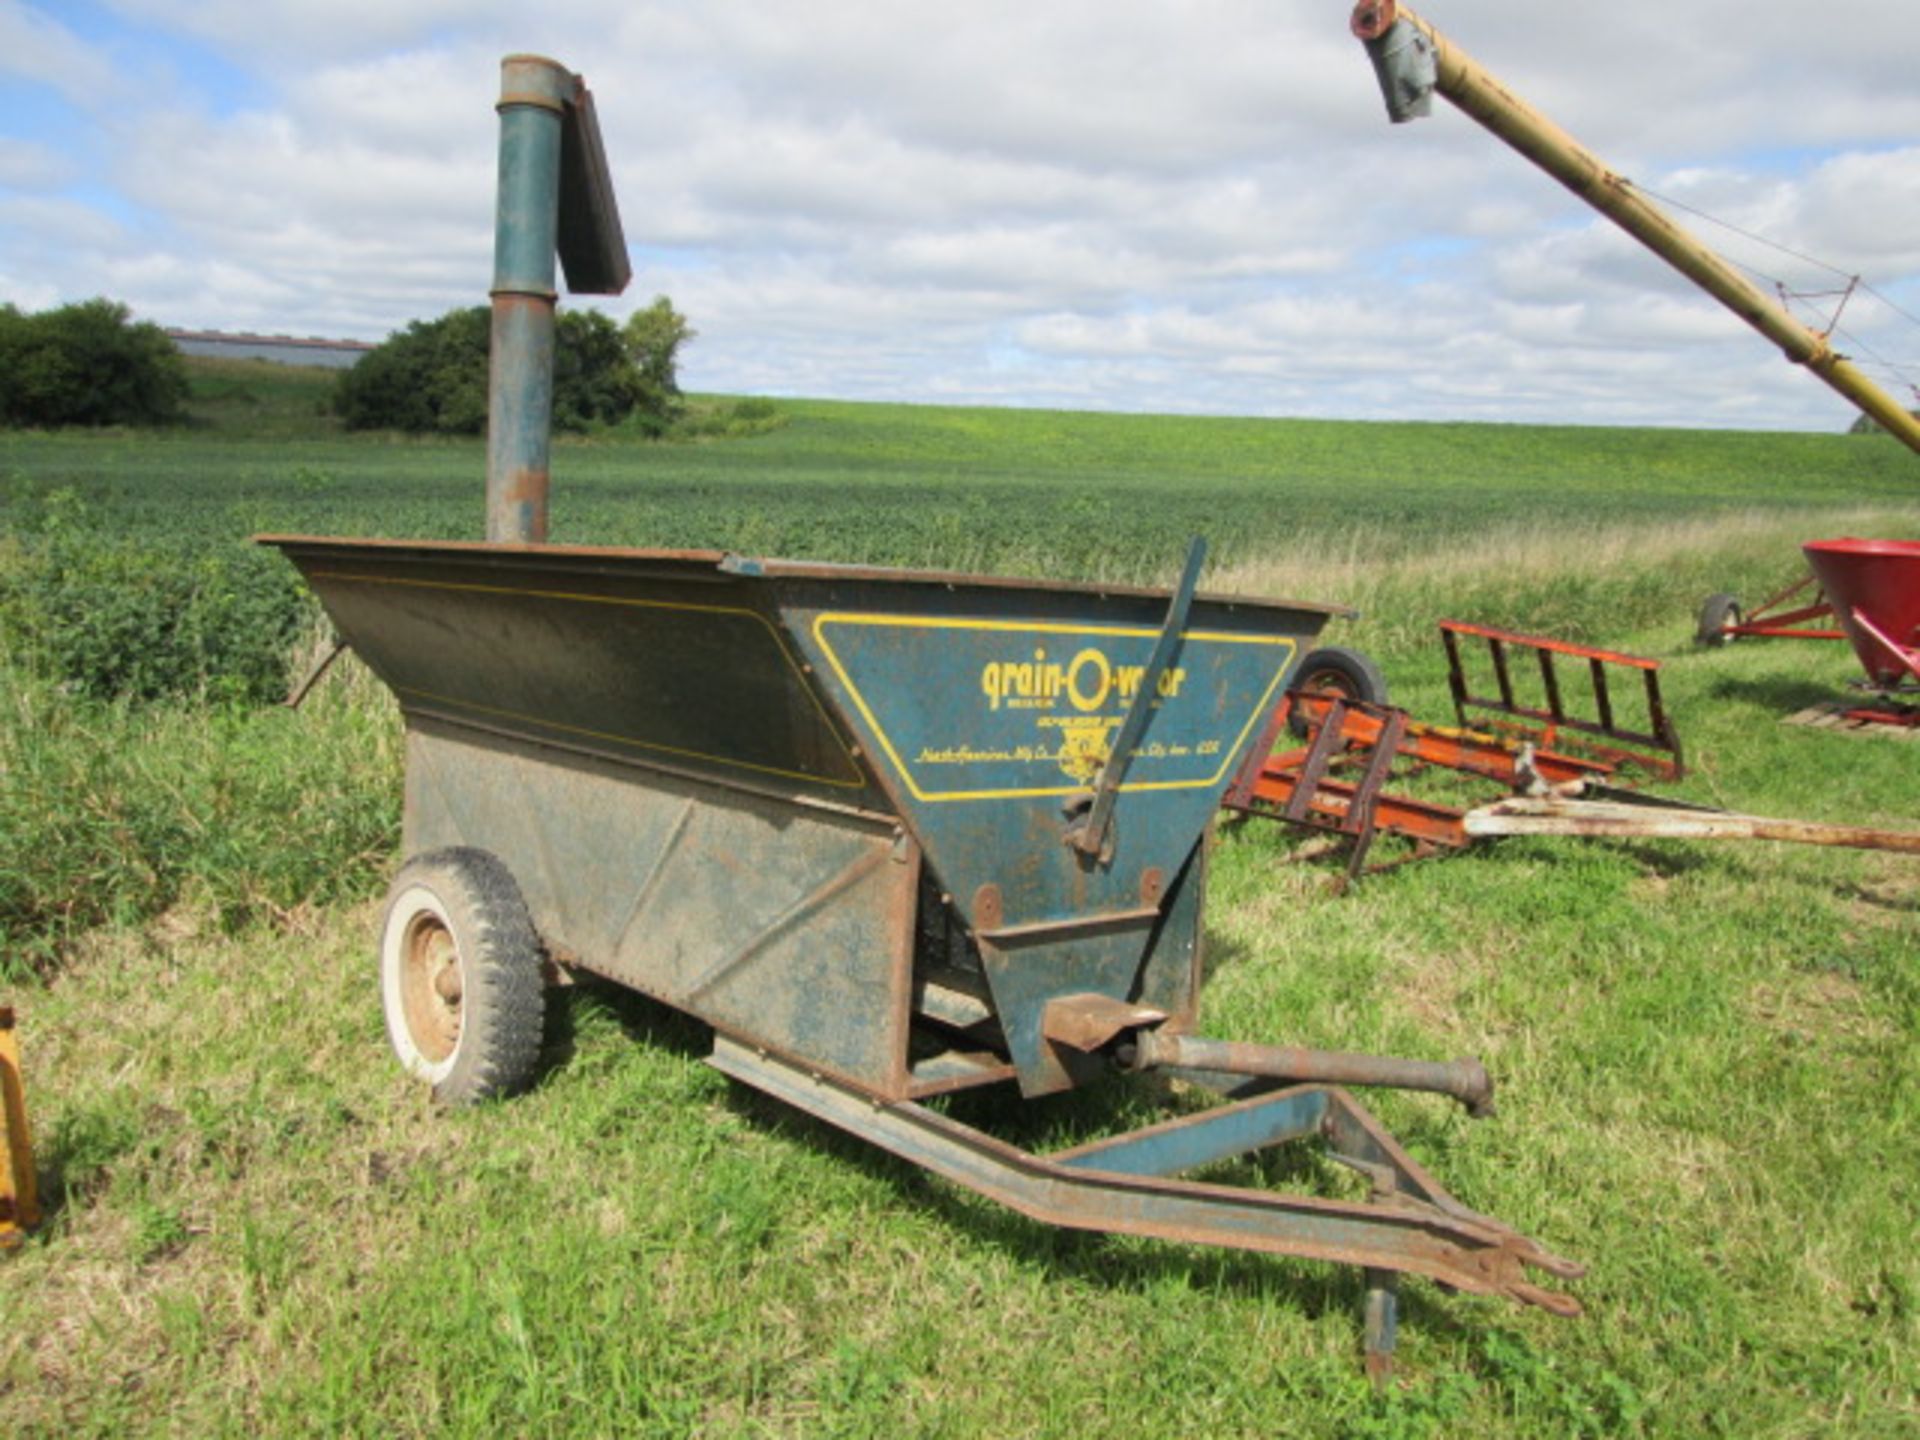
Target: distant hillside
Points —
{"points": [[261, 397]]}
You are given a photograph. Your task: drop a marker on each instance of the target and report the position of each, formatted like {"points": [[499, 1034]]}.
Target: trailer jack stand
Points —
{"points": [[1383, 1325], [1125, 1185]]}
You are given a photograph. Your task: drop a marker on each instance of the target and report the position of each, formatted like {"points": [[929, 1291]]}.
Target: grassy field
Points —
{"points": [[1709, 1057]]}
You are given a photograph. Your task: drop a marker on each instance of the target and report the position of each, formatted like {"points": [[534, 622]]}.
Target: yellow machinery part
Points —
{"points": [[19, 1197], [1480, 95]]}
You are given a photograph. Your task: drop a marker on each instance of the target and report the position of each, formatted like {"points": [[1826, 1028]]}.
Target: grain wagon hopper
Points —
{"points": [[1865, 592], [892, 834], [1870, 588]]}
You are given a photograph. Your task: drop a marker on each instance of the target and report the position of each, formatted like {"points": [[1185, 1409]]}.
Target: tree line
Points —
{"points": [[90, 363]]}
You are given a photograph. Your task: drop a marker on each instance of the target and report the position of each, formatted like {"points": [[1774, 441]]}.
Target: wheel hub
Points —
{"points": [[431, 987]]}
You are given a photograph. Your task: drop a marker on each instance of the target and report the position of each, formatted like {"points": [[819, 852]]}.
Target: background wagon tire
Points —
{"points": [[1719, 612], [1336, 670], [460, 976]]}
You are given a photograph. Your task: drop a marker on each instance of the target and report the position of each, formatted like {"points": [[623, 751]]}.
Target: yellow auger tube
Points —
{"points": [[19, 1197], [1471, 88]]}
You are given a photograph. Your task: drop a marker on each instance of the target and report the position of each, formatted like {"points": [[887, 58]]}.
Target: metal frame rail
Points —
{"points": [[1296, 785], [1626, 745], [1765, 622], [1563, 794], [1126, 1185], [1297, 788]]}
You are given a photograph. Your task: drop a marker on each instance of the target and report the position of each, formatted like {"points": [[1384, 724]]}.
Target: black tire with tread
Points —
{"points": [[1715, 615], [472, 896], [1350, 674]]}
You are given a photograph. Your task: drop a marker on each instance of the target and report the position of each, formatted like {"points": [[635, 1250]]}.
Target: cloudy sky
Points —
{"points": [[1126, 205]]}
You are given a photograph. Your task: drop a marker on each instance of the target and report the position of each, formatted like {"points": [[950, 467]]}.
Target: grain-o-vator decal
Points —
{"points": [[1046, 704]]}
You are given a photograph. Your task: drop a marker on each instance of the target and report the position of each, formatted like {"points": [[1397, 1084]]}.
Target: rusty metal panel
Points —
{"points": [[1171, 972], [1029, 971], [790, 928]]}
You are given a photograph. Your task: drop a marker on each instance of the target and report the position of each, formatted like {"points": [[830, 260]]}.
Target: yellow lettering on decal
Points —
{"points": [[990, 684], [1078, 691], [1090, 681]]}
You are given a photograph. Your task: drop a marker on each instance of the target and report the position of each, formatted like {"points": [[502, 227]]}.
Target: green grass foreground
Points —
{"points": [[1709, 1056]]}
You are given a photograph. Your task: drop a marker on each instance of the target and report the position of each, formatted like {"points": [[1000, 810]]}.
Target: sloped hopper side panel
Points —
{"points": [[1876, 582], [988, 713], [654, 658]]}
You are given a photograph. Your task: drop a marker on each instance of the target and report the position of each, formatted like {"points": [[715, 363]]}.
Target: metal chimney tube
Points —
{"points": [[534, 93]]}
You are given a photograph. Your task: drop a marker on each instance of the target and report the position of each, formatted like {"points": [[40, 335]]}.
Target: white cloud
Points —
{"points": [[279, 35], [36, 47], [28, 165], [44, 229], [1191, 206]]}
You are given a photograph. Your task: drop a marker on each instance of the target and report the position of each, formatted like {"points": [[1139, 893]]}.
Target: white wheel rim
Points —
{"points": [[415, 921]]}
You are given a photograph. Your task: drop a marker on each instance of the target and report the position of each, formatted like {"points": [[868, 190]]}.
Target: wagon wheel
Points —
{"points": [[1716, 615], [460, 976], [1346, 674]]}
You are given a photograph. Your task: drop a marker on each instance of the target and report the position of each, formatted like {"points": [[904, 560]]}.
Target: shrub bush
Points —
{"points": [[653, 338], [88, 364], [431, 378], [138, 620], [727, 419]]}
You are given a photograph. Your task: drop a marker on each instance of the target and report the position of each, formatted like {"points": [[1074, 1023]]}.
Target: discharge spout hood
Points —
{"points": [[1403, 60]]}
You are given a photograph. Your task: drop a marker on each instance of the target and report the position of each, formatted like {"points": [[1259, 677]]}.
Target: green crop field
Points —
{"points": [[1112, 496], [1708, 1055]]}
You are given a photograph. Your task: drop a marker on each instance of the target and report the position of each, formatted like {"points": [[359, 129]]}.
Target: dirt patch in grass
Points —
{"points": [[1817, 1006], [1427, 987]]}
